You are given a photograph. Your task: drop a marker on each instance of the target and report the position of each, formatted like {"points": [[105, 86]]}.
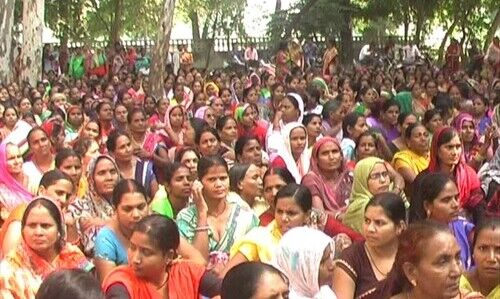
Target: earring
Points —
{"points": [[428, 212], [413, 283]]}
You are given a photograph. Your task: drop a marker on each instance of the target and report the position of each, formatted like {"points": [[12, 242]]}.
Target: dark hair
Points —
{"points": [[204, 130], [180, 153], [247, 90], [10, 107], [51, 177], [127, 186], [350, 121], [54, 212], [403, 116], [134, 112], [70, 283], [162, 232], [446, 135], [82, 145], [64, 154], [293, 100], [236, 175], [426, 189], [283, 173], [170, 169], [392, 204], [100, 105], [210, 161], [299, 193], [370, 133], [309, 117], [410, 129], [222, 121], [33, 131], [413, 242], [329, 107], [429, 114], [113, 138], [390, 103], [242, 281], [486, 223]]}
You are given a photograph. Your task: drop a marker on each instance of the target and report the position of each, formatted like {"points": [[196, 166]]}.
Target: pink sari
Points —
{"points": [[14, 192]]}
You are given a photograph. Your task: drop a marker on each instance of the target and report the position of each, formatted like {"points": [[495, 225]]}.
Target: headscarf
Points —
{"points": [[458, 123], [297, 168], [320, 83], [166, 120], [339, 190], [300, 101], [490, 172], [465, 177], [299, 256], [200, 113], [208, 84], [234, 96], [360, 195], [253, 77], [24, 196], [240, 111]]}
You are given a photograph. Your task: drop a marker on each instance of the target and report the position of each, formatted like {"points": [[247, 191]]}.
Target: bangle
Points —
{"points": [[202, 228]]}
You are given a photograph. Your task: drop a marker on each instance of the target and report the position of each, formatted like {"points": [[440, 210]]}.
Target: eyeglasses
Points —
{"points": [[378, 175]]}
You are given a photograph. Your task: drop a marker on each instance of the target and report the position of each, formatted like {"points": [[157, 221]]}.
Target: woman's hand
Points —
{"points": [[87, 223], [199, 199]]}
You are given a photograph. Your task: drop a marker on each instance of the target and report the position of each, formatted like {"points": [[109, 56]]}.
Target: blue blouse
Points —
{"points": [[108, 247]]}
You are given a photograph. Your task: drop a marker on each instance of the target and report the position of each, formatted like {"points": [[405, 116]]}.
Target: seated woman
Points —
{"points": [[404, 120], [415, 159], [475, 151], [447, 157], [55, 185], [432, 120], [246, 118], [427, 264], [387, 120], [328, 180], [42, 159], [353, 125], [437, 199], [274, 179], [247, 150], [13, 182], [293, 155], [227, 129], [213, 223], [73, 283], [245, 183], [208, 143], [113, 240], [188, 157], [362, 265], [93, 210], [120, 147], [154, 271], [174, 125], [312, 122], [371, 176], [254, 280], [43, 250], [485, 277], [306, 256], [68, 161], [177, 182]]}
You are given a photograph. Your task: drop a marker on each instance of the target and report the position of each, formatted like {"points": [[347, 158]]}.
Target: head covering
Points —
{"points": [[22, 194], [253, 80], [465, 177], [200, 113], [300, 101], [299, 256], [458, 123], [300, 167], [321, 83], [166, 121], [208, 84], [234, 96], [360, 195], [240, 111], [336, 192]]}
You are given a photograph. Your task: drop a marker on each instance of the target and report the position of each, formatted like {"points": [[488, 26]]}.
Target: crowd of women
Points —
{"points": [[287, 183]]}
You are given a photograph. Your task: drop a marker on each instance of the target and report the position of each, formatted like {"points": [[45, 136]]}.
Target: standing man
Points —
{"points": [[251, 56]]}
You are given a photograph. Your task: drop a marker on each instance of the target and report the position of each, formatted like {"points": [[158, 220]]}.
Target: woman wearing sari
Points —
{"points": [[328, 179], [42, 159], [214, 223], [43, 250], [159, 274], [91, 211], [174, 124], [447, 157], [206, 113], [245, 116], [293, 154], [371, 176], [329, 59], [13, 182]]}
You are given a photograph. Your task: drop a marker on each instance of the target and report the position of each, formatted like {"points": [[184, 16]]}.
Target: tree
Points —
{"points": [[6, 24], [160, 49], [31, 54]]}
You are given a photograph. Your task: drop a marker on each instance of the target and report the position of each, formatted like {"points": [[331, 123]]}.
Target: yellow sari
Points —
{"points": [[259, 244], [409, 159]]}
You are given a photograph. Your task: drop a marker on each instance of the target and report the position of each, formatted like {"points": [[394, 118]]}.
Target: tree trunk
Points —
{"points": [[418, 28], [64, 51], [445, 39], [492, 30], [31, 57], [195, 25], [6, 23], [211, 42], [346, 43], [116, 27], [160, 49], [277, 7], [298, 16]]}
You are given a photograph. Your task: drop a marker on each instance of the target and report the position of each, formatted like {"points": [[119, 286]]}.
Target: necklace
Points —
{"points": [[373, 262]]}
